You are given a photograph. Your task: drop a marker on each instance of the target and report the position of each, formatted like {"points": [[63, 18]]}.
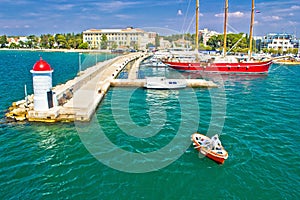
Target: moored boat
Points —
{"points": [[248, 67], [221, 64], [164, 83], [155, 64], [210, 147], [288, 61]]}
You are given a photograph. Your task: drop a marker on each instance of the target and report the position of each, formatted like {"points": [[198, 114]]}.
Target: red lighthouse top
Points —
{"points": [[41, 65]]}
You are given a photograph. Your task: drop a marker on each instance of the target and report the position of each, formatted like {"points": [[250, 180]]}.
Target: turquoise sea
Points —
{"points": [[138, 144]]}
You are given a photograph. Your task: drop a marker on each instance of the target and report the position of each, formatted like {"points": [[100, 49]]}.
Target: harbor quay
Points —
{"points": [[78, 99]]}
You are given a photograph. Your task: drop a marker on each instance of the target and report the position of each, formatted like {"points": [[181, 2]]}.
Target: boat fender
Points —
{"points": [[247, 67]]}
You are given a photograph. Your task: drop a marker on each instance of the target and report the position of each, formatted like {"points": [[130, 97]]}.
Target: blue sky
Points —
{"points": [[25, 17]]}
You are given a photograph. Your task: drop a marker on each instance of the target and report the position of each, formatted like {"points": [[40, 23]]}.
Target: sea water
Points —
{"points": [[137, 145]]}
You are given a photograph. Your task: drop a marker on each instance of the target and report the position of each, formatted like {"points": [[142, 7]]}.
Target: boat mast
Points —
{"points": [[197, 25], [251, 31], [225, 27]]}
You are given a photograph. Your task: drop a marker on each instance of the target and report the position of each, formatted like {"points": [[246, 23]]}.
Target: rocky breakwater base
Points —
{"points": [[77, 99]]}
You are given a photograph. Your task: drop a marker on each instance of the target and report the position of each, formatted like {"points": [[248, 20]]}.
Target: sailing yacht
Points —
{"points": [[222, 64]]}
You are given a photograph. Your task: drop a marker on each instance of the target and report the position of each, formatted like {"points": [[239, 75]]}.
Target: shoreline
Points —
{"points": [[60, 50]]}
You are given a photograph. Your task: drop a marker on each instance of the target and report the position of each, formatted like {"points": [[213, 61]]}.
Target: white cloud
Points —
{"points": [[219, 15], [292, 23], [65, 7], [237, 14], [271, 18], [179, 12], [124, 16], [276, 17], [116, 5], [295, 7]]}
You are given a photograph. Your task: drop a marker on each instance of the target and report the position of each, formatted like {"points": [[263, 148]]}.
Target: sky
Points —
{"points": [[36, 17]]}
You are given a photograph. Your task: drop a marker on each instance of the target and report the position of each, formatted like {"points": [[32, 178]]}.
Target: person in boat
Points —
{"points": [[206, 143], [215, 143]]}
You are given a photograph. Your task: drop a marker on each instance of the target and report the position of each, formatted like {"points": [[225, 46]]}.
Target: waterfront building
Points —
{"points": [[206, 34], [12, 40], [279, 41], [120, 38], [164, 44]]}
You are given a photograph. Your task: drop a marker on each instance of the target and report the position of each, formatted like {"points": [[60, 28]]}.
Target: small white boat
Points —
{"points": [[155, 64], [164, 83]]}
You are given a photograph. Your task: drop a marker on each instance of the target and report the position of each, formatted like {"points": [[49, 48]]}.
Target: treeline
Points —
{"points": [[47, 41], [236, 43]]}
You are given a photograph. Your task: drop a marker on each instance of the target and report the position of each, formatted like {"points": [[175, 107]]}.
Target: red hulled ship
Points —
{"points": [[222, 64], [256, 67]]}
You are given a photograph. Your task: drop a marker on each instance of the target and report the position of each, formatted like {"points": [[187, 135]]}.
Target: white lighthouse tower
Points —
{"points": [[42, 84]]}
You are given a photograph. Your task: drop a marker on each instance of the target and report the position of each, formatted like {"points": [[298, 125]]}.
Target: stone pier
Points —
{"points": [[78, 99]]}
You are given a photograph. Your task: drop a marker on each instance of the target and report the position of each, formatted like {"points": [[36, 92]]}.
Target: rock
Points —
{"points": [[20, 118], [18, 103], [19, 111]]}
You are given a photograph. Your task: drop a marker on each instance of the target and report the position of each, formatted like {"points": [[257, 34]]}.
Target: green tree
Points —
{"points": [[21, 44], [114, 45], [265, 50], [51, 41], [103, 42], [61, 41], [3, 41], [29, 44], [84, 45], [44, 41], [272, 51], [215, 42], [13, 45], [32, 41], [235, 42]]}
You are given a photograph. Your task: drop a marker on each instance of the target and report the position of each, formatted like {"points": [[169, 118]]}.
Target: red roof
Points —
{"points": [[41, 65]]}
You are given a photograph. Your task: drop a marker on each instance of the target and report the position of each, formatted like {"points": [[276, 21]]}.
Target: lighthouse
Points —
{"points": [[42, 84]]}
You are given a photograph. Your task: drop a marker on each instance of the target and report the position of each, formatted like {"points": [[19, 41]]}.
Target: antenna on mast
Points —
{"points": [[197, 25]]}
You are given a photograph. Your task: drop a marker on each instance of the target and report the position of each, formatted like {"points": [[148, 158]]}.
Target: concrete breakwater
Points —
{"points": [[78, 99]]}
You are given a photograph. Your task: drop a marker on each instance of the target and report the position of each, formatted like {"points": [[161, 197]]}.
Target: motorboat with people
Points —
{"points": [[210, 147]]}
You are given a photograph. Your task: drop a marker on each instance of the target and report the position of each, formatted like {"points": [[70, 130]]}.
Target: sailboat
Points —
{"points": [[223, 64]]}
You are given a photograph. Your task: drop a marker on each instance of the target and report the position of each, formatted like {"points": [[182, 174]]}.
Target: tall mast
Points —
{"points": [[251, 30], [197, 24], [225, 27]]}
